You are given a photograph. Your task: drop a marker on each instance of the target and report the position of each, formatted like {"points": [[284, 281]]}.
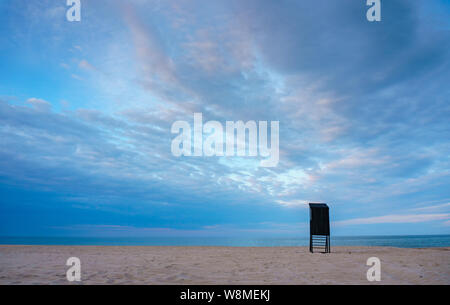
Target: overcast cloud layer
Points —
{"points": [[86, 110]]}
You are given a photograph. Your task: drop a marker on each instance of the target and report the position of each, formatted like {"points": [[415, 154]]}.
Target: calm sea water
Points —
{"points": [[412, 241]]}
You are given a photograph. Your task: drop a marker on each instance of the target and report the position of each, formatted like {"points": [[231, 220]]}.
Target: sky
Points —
{"points": [[86, 110]]}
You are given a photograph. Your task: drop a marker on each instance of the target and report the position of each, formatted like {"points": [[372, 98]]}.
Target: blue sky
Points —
{"points": [[86, 109]]}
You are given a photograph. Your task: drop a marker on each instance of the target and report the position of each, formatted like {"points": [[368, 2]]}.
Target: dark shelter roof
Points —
{"points": [[318, 205]]}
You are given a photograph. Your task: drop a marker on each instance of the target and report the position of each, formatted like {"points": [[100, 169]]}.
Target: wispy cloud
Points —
{"points": [[294, 203], [39, 104], [444, 206], [411, 218]]}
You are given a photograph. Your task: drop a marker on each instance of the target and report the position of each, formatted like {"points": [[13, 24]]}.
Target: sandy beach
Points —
{"points": [[221, 265]]}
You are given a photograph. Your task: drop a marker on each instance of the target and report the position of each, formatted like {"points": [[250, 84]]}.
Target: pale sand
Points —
{"points": [[222, 265]]}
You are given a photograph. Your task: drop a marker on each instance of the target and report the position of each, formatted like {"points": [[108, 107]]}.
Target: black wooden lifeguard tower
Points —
{"points": [[319, 227]]}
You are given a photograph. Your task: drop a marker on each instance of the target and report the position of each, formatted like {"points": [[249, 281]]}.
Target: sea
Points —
{"points": [[409, 241]]}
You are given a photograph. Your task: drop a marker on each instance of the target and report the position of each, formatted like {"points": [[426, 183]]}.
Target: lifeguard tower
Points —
{"points": [[319, 227]]}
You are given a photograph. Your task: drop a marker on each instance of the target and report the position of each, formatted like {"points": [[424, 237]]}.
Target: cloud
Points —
{"points": [[84, 64], [363, 108], [77, 77], [411, 218], [294, 203], [444, 206], [39, 104]]}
